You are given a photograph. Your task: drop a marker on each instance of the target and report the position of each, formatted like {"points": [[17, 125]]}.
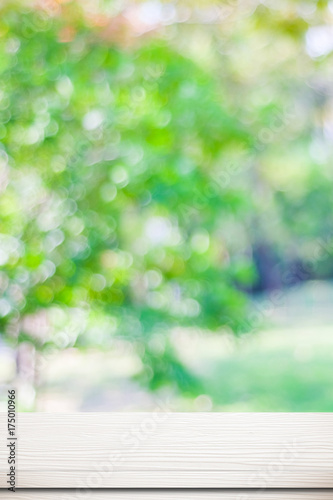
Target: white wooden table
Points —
{"points": [[255, 452], [164, 495]]}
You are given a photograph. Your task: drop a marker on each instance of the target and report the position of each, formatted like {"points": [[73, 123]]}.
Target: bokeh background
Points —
{"points": [[166, 205]]}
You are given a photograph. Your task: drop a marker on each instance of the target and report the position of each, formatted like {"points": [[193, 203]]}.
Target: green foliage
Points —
{"points": [[109, 207], [137, 178]]}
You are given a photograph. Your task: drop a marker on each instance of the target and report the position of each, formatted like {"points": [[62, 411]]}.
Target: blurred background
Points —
{"points": [[166, 230]]}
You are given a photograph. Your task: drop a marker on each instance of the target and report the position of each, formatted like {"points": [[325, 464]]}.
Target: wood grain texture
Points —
{"points": [[178, 450], [165, 495]]}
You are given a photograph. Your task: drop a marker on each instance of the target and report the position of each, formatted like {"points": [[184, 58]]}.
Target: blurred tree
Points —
{"points": [[109, 212], [140, 175]]}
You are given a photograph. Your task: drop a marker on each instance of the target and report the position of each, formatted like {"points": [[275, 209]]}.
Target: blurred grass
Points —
{"points": [[276, 372], [286, 366]]}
